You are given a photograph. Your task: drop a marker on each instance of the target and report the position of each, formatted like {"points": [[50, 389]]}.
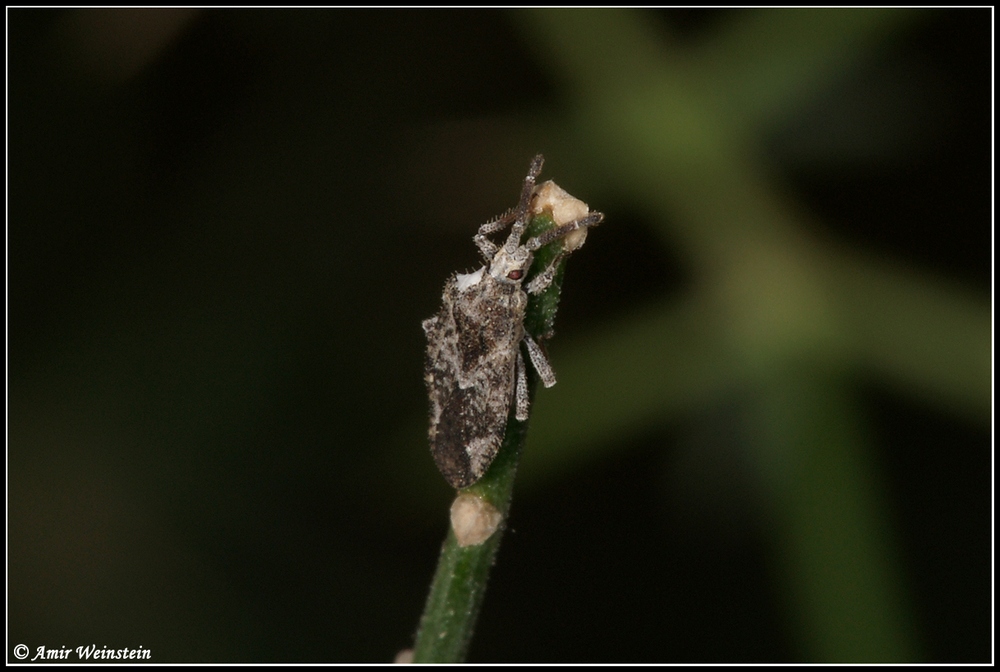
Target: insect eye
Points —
{"points": [[515, 275]]}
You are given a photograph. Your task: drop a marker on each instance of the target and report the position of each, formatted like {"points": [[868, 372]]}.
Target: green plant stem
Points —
{"points": [[460, 580], [459, 585]]}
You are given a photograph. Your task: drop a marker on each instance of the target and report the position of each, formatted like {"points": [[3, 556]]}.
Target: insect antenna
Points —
{"points": [[517, 230]]}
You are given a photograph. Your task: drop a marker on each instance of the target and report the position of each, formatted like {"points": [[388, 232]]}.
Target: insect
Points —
{"points": [[475, 368]]}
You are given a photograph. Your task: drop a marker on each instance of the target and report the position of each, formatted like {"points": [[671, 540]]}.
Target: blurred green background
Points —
{"points": [[771, 436]]}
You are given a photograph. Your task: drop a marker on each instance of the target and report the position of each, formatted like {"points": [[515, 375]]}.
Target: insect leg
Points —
{"points": [[486, 246], [544, 279], [521, 400], [539, 361], [593, 219]]}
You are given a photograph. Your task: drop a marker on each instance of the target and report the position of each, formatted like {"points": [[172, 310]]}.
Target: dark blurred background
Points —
{"points": [[771, 436]]}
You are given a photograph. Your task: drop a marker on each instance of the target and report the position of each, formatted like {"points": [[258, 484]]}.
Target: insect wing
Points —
{"points": [[470, 378]]}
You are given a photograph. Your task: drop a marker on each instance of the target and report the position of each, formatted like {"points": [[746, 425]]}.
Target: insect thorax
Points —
{"points": [[489, 317]]}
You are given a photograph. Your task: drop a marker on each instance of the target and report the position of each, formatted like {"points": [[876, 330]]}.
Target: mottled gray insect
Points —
{"points": [[475, 369]]}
